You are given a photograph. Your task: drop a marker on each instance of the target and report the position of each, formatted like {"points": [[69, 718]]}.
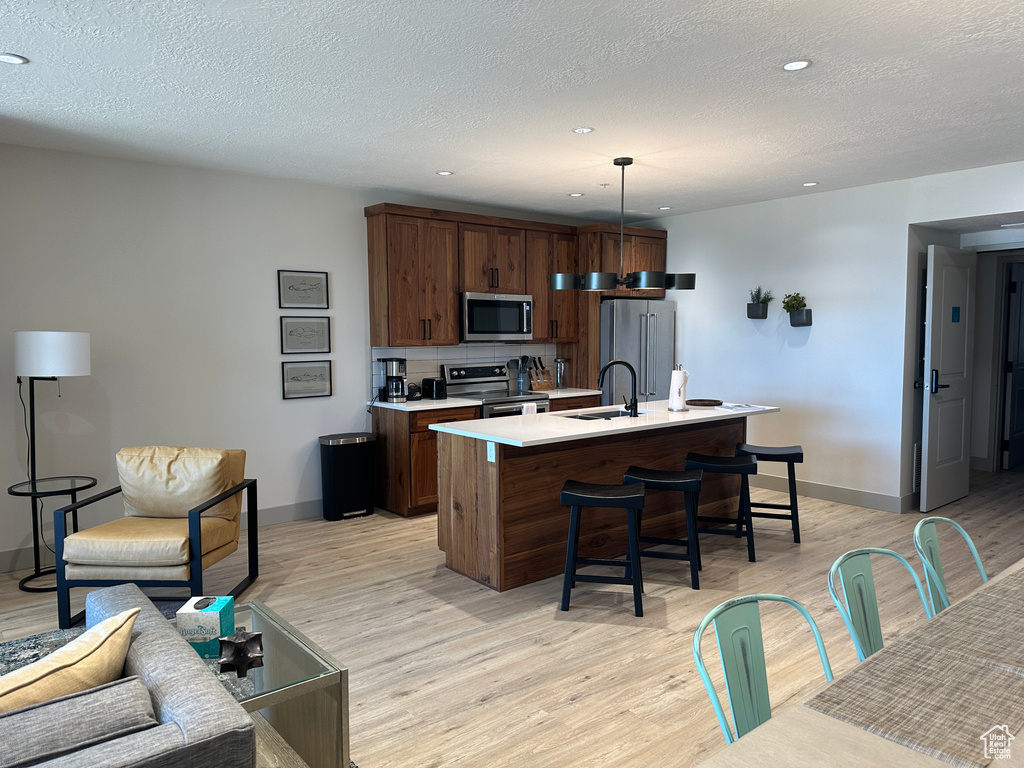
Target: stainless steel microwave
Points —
{"points": [[496, 317]]}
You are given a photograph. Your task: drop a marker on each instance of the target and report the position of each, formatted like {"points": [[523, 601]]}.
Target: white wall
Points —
{"points": [[173, 272], [842, 383]]}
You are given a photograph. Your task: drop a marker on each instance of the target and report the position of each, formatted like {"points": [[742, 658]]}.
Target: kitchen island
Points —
{"points": [[499, 517]]}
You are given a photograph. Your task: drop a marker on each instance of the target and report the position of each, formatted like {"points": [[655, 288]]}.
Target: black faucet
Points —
{"points": [[631, 405]]}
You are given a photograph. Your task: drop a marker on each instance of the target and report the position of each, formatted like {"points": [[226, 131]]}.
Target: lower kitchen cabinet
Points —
{"points": [[407, 457], [570, 403]]}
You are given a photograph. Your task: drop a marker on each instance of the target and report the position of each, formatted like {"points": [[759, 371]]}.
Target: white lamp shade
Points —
{"points": [[51, 353]]}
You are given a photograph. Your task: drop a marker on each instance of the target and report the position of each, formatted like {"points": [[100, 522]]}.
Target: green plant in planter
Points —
{"points": [[793, 301], [757, 296]]}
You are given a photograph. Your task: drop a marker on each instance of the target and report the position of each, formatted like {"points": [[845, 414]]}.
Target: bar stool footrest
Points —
{"points": [[667, 555], [602, 579], [769, 505], [771, 515], [601, 561]]}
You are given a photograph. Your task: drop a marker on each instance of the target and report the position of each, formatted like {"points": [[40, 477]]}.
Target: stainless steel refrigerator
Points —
{"points": [[643, 333]]}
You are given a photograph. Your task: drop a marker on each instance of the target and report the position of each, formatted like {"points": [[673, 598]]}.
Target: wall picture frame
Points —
{"points": [[307, 378], [302, 289], [305, 335]]}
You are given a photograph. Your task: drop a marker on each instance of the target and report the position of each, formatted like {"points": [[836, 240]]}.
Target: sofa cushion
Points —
{"points": [[165, 481], [93, 658], [53, 728], [144, 542]]}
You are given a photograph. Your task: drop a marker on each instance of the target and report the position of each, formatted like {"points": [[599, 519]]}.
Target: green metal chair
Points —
{"points": [[738, 632], [857, 583], [926, 542]]}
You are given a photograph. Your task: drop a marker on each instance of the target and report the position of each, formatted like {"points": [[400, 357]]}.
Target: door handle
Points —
{"points": [[423, 332], [644, 330], [652, 342], [935, 382]]}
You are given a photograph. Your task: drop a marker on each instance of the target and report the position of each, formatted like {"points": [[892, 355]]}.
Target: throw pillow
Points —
{"points": [[93, 658]]}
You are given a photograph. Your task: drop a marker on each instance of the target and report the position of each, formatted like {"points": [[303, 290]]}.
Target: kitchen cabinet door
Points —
{"points": [[638, 254], [554, 312], [492, 259], [423, 305], [422, 468]]}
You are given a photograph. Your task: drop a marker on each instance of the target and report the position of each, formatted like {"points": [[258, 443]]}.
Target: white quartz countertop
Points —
{"points": [[547, 428], [468, 402]]}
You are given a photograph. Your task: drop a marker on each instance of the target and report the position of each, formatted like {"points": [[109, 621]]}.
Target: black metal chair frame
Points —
{"points": [[690, 501], [195, 564], [633, 574], [744, 519], [793, 515]]}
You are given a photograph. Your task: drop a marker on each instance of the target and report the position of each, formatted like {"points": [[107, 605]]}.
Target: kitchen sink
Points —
{"points": [[611, 413]]}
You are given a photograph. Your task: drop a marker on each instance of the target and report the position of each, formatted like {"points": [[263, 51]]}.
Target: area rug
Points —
{"points": [[25, 650]]}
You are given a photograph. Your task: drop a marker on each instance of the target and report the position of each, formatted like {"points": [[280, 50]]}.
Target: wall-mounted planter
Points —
{"points": [[757, 311], [799, 318]]}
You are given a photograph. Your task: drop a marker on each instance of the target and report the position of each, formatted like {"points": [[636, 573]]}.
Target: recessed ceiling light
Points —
{"points": [[796, 66], [665, 208], [446, 173], [582, 129], [12, 58], [575, 194], [810, 183]]}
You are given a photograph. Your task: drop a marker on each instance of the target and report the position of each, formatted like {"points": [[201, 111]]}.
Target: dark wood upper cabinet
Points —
{"points": [[421, 258], [554, 312], [413, 273], [492, 259]]}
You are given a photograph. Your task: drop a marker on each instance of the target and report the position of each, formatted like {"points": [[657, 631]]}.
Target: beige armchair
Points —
{"points": [[182, 514]]}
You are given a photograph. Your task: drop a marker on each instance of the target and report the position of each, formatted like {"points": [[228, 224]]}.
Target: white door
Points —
{"points": [[948, 353]]}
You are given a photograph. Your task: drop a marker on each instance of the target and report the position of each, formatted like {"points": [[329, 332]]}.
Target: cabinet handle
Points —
{"points": [[423, 330], [556, 329], [430, 329]]}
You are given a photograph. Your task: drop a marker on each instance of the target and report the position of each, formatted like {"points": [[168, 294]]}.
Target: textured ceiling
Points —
{"points": [[381, 94]]}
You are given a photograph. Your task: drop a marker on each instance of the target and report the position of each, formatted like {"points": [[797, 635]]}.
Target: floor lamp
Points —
{"points": [[45, 356]]}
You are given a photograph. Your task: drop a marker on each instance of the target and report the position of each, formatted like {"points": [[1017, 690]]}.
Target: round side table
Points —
{"points": [[65, 485]]}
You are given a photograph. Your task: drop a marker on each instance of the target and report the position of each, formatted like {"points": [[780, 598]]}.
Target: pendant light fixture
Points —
{"points": [[609, 281]]}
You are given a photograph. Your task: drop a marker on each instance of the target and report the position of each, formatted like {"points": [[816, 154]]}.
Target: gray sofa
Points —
{"points": [[167, 710]]}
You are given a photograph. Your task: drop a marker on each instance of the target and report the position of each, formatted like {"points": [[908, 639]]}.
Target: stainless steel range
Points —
{"points": [[489, 383]]}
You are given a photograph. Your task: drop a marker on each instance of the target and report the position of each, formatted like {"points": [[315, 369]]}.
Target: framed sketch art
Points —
{"points": [[310, 378], [298, 289], [305, 335]]}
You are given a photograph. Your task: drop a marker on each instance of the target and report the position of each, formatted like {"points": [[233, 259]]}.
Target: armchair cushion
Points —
{"points": [[163, 481], [144, 542], [94, 658]]}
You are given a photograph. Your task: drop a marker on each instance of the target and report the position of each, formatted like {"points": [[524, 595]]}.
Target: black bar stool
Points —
{"points": [[688, 483], [790, 454], [744, 466], [576, 496]]}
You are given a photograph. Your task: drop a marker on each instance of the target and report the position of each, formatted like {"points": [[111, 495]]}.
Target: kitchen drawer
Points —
{"points": [[420, 421]]}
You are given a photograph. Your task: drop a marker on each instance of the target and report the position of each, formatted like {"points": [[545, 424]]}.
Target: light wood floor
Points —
{"points": [[445, 672]]}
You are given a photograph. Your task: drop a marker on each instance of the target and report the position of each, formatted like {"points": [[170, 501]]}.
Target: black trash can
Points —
{"points": [[347, 474]]}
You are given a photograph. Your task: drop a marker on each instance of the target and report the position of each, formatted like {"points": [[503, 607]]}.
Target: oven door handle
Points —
{"points": [[498, 408]]}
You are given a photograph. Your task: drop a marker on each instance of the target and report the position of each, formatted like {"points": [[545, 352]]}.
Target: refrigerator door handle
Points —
{"points": [[644, 344], [652, 352]]}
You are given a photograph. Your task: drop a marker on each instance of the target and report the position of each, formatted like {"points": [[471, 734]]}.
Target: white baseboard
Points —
{"points": [[831, 493]]}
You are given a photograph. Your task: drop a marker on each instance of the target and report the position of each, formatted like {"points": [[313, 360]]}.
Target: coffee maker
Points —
{"points": [[394, 379]]}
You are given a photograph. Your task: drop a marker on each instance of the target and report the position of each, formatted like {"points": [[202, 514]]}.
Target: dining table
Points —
{"points": [[948, 692]]}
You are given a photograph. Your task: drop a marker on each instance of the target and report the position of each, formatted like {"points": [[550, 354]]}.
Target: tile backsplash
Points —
{"points": [[422, 362]]}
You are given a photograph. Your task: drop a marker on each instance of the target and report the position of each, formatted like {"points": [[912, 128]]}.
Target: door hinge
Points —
{"points": [[1008, 366], [1006, 445], [1013, 286]]}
